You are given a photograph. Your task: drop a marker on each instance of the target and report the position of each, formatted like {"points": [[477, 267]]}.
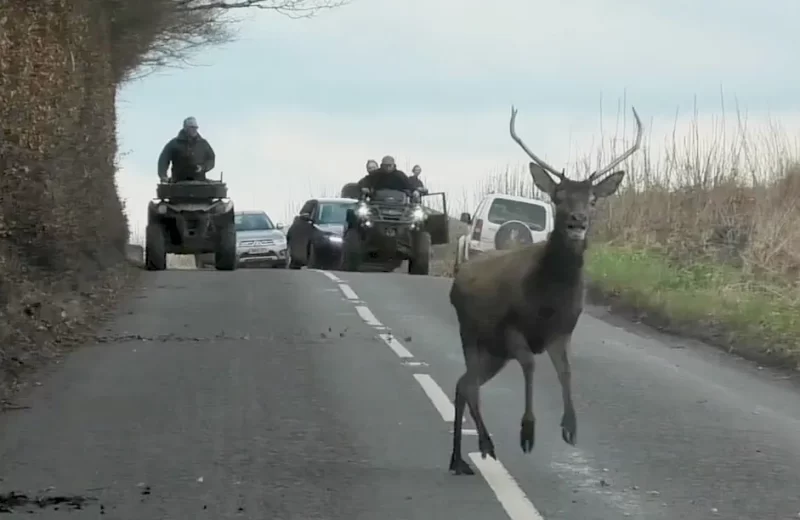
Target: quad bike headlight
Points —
{"points": [[362, 210], [418, 214]]}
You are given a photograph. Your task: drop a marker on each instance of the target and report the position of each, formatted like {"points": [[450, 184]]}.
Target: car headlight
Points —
{"points": [[362, 210], [418, 214], [334, 239]]}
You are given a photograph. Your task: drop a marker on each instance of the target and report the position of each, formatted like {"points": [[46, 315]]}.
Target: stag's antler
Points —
{"points": [[532, 155], [627, 154]]}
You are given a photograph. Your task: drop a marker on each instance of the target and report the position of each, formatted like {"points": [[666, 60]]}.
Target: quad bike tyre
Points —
{"points": [[421, 262], [155, 251], [225, 255], [351, 250]]}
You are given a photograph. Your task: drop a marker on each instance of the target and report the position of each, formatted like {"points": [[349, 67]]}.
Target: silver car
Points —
{"points": [[259, 242]]}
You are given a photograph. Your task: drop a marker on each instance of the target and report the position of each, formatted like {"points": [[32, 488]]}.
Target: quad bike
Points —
{"points": [[390, 226], [191, 218]]}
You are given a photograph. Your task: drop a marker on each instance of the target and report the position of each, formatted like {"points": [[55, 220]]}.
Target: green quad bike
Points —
{"points": [[390, 226], [191, 218]]}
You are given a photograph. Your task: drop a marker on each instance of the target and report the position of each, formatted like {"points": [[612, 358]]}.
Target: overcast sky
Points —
{"points": [[294, 108]]}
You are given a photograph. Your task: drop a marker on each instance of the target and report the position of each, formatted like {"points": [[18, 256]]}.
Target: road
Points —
{"points": [[271, 394]]}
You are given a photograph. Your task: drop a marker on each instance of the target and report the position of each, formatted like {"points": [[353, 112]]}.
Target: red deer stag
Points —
{"points": [[518, 303]]}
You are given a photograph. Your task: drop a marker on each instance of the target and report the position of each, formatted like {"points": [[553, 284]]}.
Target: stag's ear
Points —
{"points": [[608, 185], [542, 179]]}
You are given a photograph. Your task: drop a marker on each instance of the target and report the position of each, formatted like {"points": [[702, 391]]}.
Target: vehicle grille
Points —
{"points": [[257, 243], [392, 212]]}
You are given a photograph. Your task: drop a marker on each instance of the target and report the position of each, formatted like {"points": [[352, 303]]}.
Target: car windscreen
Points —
{"points": [[334, 212], [503, 210], [253, 222]]}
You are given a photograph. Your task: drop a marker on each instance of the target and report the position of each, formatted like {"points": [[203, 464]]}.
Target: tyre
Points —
{"points": [[155, 251], [351, 250], [420, 263], [225, 255]]}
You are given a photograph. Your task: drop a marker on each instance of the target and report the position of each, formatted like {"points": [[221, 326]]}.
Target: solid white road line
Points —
{"points": [[367, 316], [437, 396], [508, 492], [396, 346], [349, 293]]}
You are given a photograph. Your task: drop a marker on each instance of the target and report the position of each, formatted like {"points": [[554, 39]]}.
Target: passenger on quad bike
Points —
{"points": [[414, 179], [372, 165], [386, 177], [191, 155]]}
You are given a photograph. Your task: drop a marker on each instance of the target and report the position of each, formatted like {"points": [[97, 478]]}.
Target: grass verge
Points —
{"points": [[711, 302]]}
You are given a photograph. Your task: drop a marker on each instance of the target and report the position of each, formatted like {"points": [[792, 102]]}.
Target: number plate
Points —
{"points": [[390, 232], [259, 251]]}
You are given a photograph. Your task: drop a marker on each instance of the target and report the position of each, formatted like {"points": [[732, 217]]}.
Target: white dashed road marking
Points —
{"points": [[396, 346], [367, 316], [330, 275], [511, 497], [348, 292], [508, 492]]}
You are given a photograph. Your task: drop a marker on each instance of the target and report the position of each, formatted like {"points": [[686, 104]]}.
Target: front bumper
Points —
{"points": [[261, 255]]}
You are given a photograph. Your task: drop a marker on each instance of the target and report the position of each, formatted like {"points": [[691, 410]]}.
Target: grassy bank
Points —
{"points": [[712, 302], [702, 240]]}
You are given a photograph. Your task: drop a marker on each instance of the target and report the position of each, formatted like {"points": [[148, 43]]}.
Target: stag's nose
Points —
{"points": [[578, 220]]}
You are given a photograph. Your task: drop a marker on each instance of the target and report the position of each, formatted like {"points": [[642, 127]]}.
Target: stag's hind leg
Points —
{"points": [[481, 367], [559, 355]]}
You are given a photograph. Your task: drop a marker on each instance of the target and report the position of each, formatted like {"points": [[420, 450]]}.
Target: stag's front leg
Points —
{"points": [[518, 346], [559, 355]]}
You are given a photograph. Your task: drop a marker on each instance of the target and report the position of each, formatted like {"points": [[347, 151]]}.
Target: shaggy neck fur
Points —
{"points": [[562, 261]]}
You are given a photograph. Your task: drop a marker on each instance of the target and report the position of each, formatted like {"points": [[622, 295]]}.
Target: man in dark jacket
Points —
{"points": [[191, 155], [386, 177]]}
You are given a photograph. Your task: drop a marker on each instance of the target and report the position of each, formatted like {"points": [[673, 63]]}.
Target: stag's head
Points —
{"points": [[575, 200]]}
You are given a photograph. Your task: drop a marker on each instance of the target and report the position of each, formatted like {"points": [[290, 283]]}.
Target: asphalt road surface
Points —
{"points": [[273, 394]]}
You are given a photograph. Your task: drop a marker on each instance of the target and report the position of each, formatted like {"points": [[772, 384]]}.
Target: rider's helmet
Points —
{"points": [[190, 126], [387, 163], [416, 170], [372, 165]]}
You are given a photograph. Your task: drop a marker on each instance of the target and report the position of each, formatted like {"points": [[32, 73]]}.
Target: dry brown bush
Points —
{"points": [[726, 198], [63, 232]]}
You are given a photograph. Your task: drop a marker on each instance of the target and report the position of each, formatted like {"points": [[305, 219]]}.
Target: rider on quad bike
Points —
{"points": [[414, 179], [386, 177], [191, 155]]}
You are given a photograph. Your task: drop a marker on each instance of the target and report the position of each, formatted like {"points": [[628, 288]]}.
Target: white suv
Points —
{"points": [[508, 211]]}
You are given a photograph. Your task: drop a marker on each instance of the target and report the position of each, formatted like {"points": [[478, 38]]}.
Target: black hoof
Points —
{"points": [[459, 466], [486, 447], [569, 427], [526, 436]]}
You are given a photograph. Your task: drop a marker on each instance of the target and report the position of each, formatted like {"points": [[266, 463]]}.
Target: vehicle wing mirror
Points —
{"points": [[280, 225], [466, 218], [305, 216]]}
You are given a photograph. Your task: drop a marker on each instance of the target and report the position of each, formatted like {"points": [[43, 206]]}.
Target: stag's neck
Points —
{"points": [[562, 261]]}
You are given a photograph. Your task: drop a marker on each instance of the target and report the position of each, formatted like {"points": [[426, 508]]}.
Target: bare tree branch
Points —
{"points": [[149, 35]]}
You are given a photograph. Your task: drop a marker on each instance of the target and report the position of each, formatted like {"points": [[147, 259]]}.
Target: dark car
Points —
{"points": [[315, 236]]}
